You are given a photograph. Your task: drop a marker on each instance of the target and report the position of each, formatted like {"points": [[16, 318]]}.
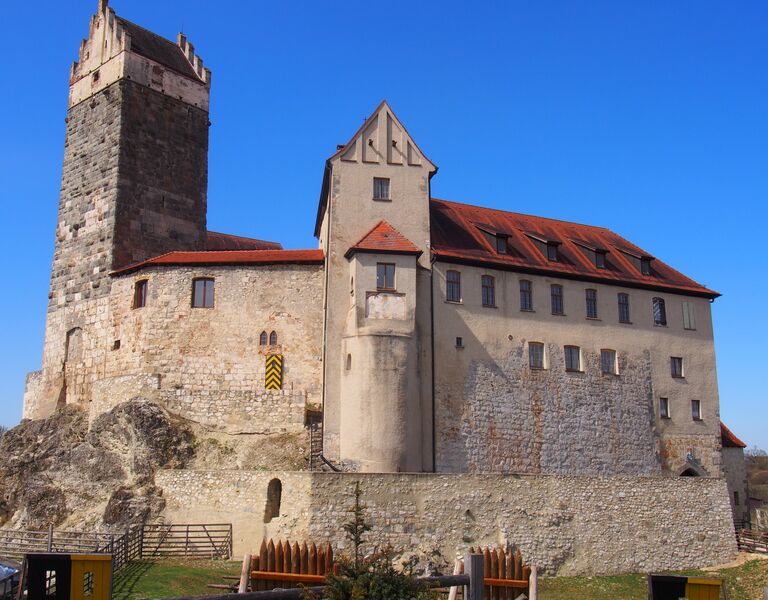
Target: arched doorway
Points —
{"points": [[274, 495]]}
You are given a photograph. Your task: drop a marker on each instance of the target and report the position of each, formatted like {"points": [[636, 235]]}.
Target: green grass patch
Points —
{"points": [[745, 582], [167, 579]]}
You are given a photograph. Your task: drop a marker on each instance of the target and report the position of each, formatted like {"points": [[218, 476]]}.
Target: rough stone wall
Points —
{"points": [[203, 364], [163, 175], [520, 420], [563, 524], [495, 413], [735, 472]]}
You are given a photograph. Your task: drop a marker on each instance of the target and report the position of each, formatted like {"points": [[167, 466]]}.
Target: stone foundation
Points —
{"points": [[565, 525]]}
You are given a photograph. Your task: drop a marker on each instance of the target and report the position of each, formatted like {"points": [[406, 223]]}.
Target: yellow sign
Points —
{"points": [[273, 376]]}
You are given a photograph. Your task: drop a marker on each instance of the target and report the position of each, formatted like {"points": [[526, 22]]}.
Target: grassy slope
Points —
{"points": [[170, 578]]}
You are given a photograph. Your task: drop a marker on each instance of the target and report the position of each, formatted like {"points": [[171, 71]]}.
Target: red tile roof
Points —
{"points": [[225, 241], [728, 438], [231, 257], [457, 237], [384, 239]]}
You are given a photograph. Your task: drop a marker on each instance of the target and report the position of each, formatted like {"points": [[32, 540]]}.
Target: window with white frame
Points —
{"points": [[676, 366], [689, 315], [664, 408], [696, 410], [385, 276], [572, 358], [536, 355], [608, 362]]}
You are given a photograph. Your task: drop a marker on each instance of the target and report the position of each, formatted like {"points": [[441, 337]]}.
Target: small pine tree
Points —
{"points": [[357, 527]]}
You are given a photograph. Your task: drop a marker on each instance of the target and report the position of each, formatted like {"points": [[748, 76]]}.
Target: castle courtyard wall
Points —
{"points": [[564, 524]]}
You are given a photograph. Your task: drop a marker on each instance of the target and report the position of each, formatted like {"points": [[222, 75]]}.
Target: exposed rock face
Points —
{"points": [[57, 471]]}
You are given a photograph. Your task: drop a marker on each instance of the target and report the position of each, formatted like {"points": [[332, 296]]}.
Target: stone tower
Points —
{"points": [[133, 184]]}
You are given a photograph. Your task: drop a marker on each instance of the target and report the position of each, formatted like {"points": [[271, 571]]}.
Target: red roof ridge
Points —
{"points": [[224, 257], [384, 238], [512, 212], [729, 439]]}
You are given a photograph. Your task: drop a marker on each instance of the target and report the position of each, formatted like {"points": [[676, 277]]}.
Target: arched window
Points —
{"points": [[689, 473], [274, 493], [273, 339], [263, 338], [659, 312]]}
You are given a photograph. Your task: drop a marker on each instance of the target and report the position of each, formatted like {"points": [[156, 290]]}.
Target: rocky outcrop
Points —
{"points": [[59, 471]]}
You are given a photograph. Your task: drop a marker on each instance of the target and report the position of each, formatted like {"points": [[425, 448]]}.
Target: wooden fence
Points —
{"points": [[147, 542], [286, 565], [506, 577], [752, 541]]}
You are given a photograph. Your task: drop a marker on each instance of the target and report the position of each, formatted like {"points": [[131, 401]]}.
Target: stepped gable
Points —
{"points": [[157, 48], [384, 239], [460, 234], [225, 241], [230, 257], [729, 439]]}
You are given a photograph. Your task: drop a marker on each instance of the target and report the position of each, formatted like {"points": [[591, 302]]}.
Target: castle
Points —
{"points": [[422, 336]]}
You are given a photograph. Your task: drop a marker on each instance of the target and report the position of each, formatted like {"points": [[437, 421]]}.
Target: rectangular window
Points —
{"points": [[659, 312], [608, 362], [591, 304], [536, 355], [572, 358], [489, 290], [385, 276], [696, 410], [140, 294], [689, 315], [453, 286], [624, 308], [676, 366], [501, 244], [557, 299], [736, 498], [381, 188], [645, 266], [459, 342], [526, 295], [600, 259], [664, 408], [202, 293], [552, 252]]}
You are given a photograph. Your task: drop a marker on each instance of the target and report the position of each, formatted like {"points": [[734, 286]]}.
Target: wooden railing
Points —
{"points": [[752, 541]]}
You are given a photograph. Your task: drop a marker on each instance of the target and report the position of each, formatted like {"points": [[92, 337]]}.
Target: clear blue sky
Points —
{"points": [[650, 118]]}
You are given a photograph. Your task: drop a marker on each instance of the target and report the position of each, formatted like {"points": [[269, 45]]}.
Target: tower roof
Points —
{"points": [[729, 439], [384, 239]]}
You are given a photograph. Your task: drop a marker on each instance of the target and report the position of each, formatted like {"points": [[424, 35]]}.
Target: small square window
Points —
{"points": [[459, 342], [536, 355], [608, 362], [572, 358], [696, 410], [140, 293], [202, 293], [664, 408], [676, 366], [381, 188], [385, 276]]}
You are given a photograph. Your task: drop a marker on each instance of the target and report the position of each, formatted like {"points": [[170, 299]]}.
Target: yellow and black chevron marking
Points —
{"points": [[273, 377]]}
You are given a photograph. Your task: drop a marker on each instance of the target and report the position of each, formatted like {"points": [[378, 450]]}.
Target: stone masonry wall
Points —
{"points": [[204, 364], [517, 419], [563, 524]]}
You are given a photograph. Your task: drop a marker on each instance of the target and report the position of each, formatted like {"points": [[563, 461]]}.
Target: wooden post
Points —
{"points": [[474, 566], [533, 584], [454, 590], [50, 538], [245, 574]]}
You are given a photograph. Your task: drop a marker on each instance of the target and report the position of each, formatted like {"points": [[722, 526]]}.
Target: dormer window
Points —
{"points": [[552, 251], [501, 244], [600, 259], [645, 266]]}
